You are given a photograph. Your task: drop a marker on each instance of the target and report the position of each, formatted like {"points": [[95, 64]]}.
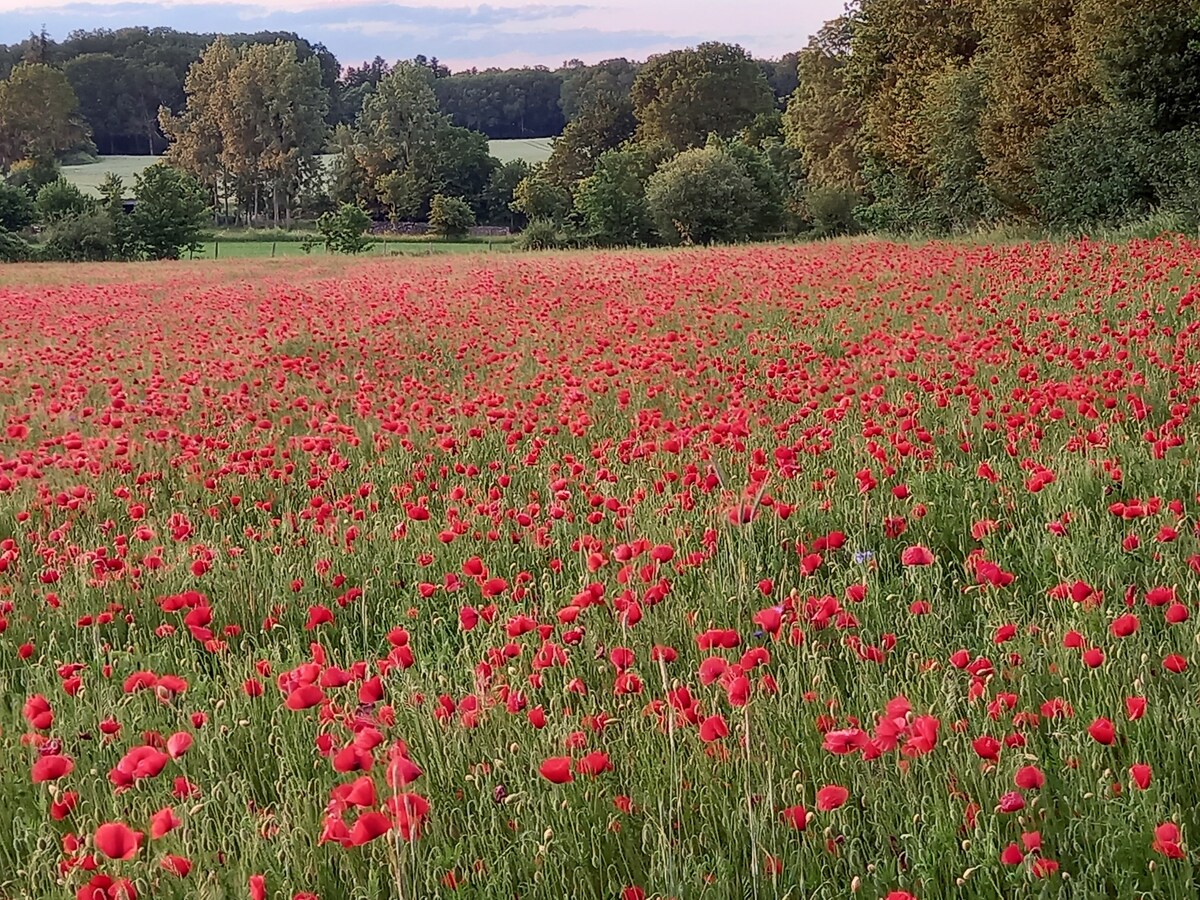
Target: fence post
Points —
{"points": [[216, 249], [272, 249]]}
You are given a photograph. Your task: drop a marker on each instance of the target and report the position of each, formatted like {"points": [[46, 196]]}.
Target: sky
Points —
{"points": [[460, 33]]}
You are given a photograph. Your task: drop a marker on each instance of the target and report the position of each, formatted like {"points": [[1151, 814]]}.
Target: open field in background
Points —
{"points": [[88, 177], [251, 249], [852, 569]]}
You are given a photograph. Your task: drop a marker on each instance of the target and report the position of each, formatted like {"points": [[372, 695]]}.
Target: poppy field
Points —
{"points": [[843, 570]]}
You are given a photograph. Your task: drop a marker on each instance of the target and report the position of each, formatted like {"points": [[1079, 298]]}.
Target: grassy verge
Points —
{"points": [[253, 245]]}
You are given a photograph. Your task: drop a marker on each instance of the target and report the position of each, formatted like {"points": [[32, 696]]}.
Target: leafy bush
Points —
{"points": [[345, 230], [450, 217], [17, 210], [1096, 167], [612, 200], [703, 196], [170, 215], [61, 200], [541, 234], [14, 248], [1178, 177], [768, 182], [832, 211], [537, 197], [897, 205], [32, 175], [83, 238]]}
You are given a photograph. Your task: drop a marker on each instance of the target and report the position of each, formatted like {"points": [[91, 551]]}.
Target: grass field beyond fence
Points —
{"points": [[232, 248]]}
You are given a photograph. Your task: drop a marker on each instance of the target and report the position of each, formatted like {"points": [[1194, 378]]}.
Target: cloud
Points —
{"points": [[460, 32]]}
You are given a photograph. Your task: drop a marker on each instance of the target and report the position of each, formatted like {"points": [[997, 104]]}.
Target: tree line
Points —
{"points": [[929, 116], [908, 116], [122, 76], [948, 115]]}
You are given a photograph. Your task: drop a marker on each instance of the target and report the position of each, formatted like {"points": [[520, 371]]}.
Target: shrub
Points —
{"points": [[537, 197], [14, 248], [61, 200], [32, 175], [541, 234], [17, 210], [83, 238], [1096, 167], [345, 230], [612, 200], [1178, 177], [832, 211], [451, 217], [703, 196]]}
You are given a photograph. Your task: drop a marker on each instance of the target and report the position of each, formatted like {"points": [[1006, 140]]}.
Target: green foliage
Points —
{"points": [[170, 214], [603, 123], [17, 209], [683, 96], [822, 121], [403, 151], [61, 200], [768, 182], [612, 200], [398, 126], [788, 165], [31, 175], [945, 116], [14, 248], [112, 204], [464, 165], [960, 198], [536, 196], [833, 211], [1147, 54], [253, 127], [39, 115], [1096, 167], [583, 86], [86, 237], [499, 195], [345, 231], [704, 196], [1035, 76], [512, 103], [542, 234], [451, 217], [1178, 176]]}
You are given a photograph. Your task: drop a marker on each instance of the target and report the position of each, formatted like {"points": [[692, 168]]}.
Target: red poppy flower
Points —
{"points": [[117, 840], [916, 556], [51, 768], [1102, 731], [831, 797], [556, 769], [795, 816]]}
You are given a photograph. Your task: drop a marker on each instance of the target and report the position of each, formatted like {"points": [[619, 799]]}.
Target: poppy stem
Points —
{"points": [[750, 803], [675, 802]]}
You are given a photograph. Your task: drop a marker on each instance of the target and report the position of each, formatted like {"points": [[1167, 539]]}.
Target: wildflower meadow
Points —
{"points": [[853, 569]]}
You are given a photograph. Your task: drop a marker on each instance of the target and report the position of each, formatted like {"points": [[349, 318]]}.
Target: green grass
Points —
{"points": [[255, 249], [89, 176]]}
